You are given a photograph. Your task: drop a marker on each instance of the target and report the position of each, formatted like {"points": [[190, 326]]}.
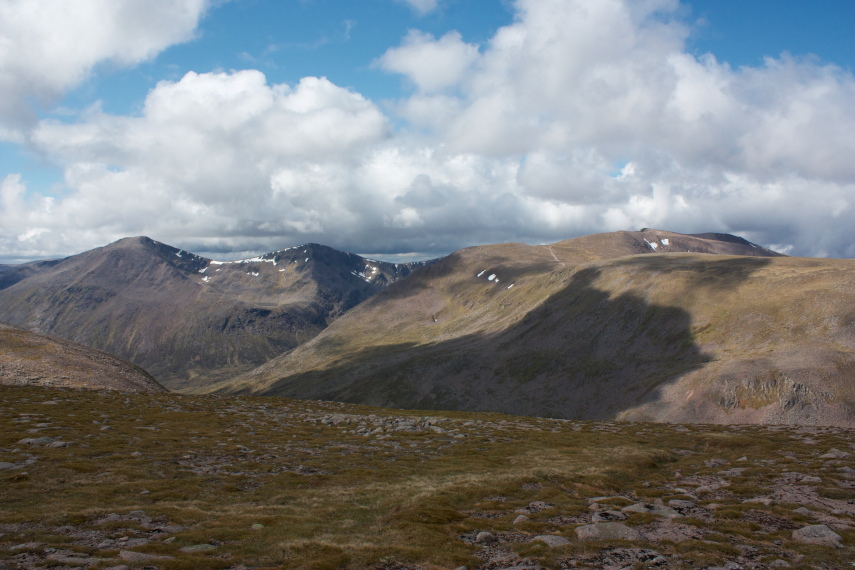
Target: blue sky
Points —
{"points": [[441, 124]]}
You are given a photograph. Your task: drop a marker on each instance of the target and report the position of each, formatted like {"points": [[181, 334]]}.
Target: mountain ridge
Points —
{"points": [[185, 318]]}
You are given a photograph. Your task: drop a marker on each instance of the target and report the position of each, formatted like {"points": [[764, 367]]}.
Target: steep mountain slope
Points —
{"points": [[599, 327], [27, 358], [184, 318]]}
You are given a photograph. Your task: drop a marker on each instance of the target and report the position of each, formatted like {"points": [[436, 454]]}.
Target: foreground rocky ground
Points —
{"points": [[111, 480]]}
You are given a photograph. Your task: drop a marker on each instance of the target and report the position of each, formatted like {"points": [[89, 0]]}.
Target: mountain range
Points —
{"points": [[639, 326], [186, 319]]}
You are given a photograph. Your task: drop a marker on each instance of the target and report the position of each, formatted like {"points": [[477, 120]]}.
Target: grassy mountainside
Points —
{"points": [[30, 359], [601, 327], [170, 481], [184, 318]]}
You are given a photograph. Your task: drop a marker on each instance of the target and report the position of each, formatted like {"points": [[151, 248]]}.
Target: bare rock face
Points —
{"points": [[32, 359]]}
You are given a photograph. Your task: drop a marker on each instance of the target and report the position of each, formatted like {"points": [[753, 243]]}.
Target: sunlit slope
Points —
{"points": [[667, 337], [30, 359]]}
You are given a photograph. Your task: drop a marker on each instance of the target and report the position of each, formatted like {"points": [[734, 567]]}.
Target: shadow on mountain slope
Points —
{"points": [[593, 349]]}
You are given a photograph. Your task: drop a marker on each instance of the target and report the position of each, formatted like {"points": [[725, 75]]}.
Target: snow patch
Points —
{"points": [[307, 259], [482, 273], [654, 246], [511, 285], [664, 241], [203, 270], [178, 253], [492, 277], [361, 275], [206, 278]]}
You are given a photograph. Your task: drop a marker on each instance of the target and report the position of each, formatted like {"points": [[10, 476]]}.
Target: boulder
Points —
{"points": [[817, 534], [607, 531]]}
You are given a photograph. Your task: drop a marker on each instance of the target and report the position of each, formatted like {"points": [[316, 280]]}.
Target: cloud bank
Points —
{"points": [[582, 116]]}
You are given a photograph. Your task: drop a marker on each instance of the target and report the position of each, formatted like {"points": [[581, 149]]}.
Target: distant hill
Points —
{"points": [[31, 359], [187, 319], [629, 325]]}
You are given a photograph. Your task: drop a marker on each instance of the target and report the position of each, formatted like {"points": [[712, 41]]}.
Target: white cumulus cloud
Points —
{"points": [[580, 116], [49, 46]]}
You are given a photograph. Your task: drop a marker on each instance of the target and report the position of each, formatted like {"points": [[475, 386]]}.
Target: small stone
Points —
{"points": [[521, 519], [802, 511], [145, 492], [485, 537], [551, 540], [810, 479], [131, 556], [26, 546], [257, 526], [79, 560], [119, 567], [37, 440], [607, 531], [6, 465], [762, 500], [58, 444], [817, 534], [136, 454], [779, 564], [198, 548], [743, 458]]}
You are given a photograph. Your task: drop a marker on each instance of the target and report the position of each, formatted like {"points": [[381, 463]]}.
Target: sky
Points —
{"points": [[411, 128]]}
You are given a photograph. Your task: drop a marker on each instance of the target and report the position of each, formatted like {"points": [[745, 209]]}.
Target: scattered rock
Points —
{"points": [[779, 564], [521, 519], [817, 534], [802, 511], [534, 507], [551, 540], [5, 465], [485, 537], [810, 479], [257, 526], [607, 531]]}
